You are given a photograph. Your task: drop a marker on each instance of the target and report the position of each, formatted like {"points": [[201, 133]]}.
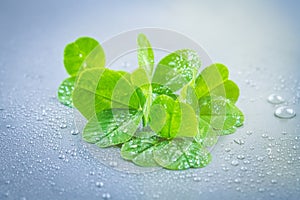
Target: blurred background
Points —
{"points": [[42, 158]]}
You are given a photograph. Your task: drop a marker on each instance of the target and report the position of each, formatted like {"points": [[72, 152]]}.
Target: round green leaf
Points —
{"points": [[85, 52]]}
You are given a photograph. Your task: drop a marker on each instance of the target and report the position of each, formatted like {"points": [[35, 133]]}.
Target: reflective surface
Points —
{"points": [[43, 157]]}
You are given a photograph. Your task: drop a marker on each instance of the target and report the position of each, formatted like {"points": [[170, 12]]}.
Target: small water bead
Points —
{"points": [[284, 132], [235, 163], [126, 65], [241, 157], [113, 163], [244, 168], [197, 179], [227, 158], [62, 126], [74, 132], [239, 141], [249, 132], [61, 156], [285, 112], [106, 196], [237, 180], [275, 99], [225, 168], [260, 158], [273, 181], [99, 184]]}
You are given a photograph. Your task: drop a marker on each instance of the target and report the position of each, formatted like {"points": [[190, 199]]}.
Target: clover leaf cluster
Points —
{"points": [[166, 114]]}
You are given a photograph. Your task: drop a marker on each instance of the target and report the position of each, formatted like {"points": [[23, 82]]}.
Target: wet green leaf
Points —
{"points": [[181, 153], [177, 69], [101, 89], [140, 151], [207, 136], [213, 81], [221, 114], [112, 127], [188, 95], [145, 55], [170, 118], [85, 52]]}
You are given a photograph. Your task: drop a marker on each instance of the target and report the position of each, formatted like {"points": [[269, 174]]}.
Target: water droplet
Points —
{"points": [[284, 132], [61, 156], [99, 184], [285, 112], [237, 180], [241, 157], [235, 163], [225, 168], [249, 132], [92, 173], [227, 149], [260, 158], [74, 132], [197, 179], [273, 181], [275, 99], [244, 168], [126, 64], [239, 141], [106, 196], [113, 163], [62, 126]]}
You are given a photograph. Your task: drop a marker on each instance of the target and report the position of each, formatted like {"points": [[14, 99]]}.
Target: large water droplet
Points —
{"points": [[275, 99], [285, 112]]}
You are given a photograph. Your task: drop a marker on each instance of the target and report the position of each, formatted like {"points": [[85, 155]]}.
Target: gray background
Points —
{"points": [[41, 159]]}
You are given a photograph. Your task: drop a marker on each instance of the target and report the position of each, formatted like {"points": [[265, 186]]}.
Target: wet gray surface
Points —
{"points": [[40, 158]]}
